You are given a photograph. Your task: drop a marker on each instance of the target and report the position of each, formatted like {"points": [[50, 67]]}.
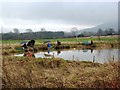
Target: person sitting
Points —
{"points": [[29, 53], [48, 45], [58, 42], [91, 42]]}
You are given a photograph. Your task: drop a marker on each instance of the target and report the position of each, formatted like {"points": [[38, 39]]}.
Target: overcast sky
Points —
{"points": [[56, 16]]}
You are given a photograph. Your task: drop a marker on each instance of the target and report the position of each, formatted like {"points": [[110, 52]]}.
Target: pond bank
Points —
{"points": [[16, 48], [23, 72]]}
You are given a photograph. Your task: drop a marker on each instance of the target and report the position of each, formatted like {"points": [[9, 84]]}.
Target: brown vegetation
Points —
{"points": [[24, 72]]}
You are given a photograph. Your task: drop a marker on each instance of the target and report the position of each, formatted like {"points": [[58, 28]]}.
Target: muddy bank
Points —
{"points": [[8, 50], [68, 45], [23, 72]]}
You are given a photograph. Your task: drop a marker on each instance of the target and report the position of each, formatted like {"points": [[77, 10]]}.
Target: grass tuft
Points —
{"points": [[24, 72]]}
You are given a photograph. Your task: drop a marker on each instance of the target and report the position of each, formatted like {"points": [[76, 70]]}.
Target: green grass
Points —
{"points": [[109, 39]]}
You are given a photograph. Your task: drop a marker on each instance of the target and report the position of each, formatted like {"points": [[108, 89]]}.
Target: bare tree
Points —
{"points": [[29, 30], [74, 31], [16, 30], [111, 31], [43, 29], [100, 32]]}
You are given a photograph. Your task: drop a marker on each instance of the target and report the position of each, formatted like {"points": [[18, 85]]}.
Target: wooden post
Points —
{"points": [[73, 57], [113, 57], [94, 59]]}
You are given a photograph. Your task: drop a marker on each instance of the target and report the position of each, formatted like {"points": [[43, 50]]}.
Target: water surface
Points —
{"points": [[103, 55]]}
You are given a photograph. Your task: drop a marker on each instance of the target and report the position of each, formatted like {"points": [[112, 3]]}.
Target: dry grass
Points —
{"points": [[23, 72]]}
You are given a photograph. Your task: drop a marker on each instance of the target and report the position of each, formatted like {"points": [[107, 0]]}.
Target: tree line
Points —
{"points": [[32, 35], [43, 34], [100, 32]]}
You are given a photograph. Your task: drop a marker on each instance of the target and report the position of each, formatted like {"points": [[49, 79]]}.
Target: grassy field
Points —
{"points": [[102, 38], [23, 72], [9, 46]]}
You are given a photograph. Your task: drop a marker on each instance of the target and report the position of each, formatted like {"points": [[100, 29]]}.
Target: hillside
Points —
{"points": [[104, 26]]}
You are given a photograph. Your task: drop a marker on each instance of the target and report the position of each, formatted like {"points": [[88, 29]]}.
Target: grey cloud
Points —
{"points": [[72, 13]]}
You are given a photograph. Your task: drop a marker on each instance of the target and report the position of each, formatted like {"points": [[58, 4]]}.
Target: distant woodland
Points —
{"points": [[59, 34], [32, 35]]}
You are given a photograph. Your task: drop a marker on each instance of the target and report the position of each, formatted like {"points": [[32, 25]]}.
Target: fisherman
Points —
{"points": [[91, 42], [48, 45], [29, 48], [29, 54], [58, 42]]}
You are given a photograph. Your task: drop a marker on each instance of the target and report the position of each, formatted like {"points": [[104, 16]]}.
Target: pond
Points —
{"points": [[103, 55]]}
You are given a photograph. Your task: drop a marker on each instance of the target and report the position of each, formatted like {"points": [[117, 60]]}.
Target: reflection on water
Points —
{"points": [[58, 52], [29, 54], [83, 55]]}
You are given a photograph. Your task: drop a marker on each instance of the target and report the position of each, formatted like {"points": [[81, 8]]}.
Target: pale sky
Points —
{"points": [[56, 15]]}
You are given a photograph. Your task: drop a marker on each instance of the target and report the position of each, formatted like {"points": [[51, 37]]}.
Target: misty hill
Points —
{"points": [[113, 25]]}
